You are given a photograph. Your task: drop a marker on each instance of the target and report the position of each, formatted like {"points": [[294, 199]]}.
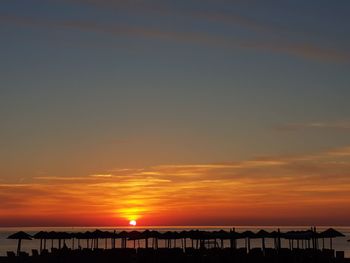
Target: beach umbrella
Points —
{"points": [[184, 235], [41, 235], [248, 235], [154, 235], [106, 235], [135, 235], [145, 235], [331, 233], [300, 236], [52, 235], [233, 236], [123, 235], [62, 236], [20, 236], [276, 235], [221, 235], [88, 235], [262, 234], [79, 236]]}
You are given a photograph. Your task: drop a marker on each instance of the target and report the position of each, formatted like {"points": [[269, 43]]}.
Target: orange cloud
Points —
{"points": [[305, 188]]}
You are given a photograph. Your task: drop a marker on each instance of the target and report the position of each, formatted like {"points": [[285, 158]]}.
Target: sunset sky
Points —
{"points": [[186, 112]]}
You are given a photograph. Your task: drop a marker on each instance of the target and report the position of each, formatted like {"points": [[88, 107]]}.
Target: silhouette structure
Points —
{"points": [[185, 246]]}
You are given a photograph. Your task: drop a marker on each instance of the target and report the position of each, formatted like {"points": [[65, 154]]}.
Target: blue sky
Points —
{"points": [[141, 83]]}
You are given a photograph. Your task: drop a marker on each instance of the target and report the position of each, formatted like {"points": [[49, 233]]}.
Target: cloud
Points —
{"points": [[304, 50], [257, 188], [334, 126], [102, 175]]}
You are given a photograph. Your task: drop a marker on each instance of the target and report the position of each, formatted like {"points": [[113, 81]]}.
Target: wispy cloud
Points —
{"points": [[304, 50], [335, 125], [166, 193]]}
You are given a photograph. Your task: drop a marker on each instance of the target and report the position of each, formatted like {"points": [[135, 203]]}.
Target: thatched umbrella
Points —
{"points": [[106, 235], [276, 235], [300, 236], [262, 234], [145, 235], [79, 236], [135, 235], [154, 235], [167, 236], [20, 236], [221, 235], [62, 236], [97, 234], [42, 235], [123, 235], [114, 236], [52, 235], [192, 234], [248, 235], [233, 236], [331, 233]]}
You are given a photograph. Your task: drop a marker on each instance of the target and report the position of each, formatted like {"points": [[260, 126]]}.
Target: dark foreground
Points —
{"points": [[177, 255]]}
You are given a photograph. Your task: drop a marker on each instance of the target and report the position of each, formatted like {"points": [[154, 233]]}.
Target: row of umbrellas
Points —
{"points": [[194, 235]]}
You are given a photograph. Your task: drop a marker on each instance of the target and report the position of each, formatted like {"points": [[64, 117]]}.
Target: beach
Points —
{"points": [[141, 251]]}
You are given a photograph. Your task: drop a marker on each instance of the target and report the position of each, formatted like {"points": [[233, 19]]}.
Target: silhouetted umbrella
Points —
{"points": [[41, 235], [154, 235], [222, 235], [135, 235], [276, 235], [79, 236], [88, 235], [20, 236], [62, 236], [145, 235], [262, 234], [52, 235], [331, 233], [123, 235], [248, 235], [97, 234], [184, 235]]}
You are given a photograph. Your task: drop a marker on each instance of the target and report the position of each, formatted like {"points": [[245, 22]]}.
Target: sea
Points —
{"points": [[339, 244]]}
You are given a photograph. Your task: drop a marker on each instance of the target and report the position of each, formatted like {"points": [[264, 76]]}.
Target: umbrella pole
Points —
{"points": [[19, 246], [263, 243], [331, 243], [41, 245]]}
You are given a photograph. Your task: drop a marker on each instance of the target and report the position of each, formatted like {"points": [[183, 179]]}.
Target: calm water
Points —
{"points": [[10, 245]]}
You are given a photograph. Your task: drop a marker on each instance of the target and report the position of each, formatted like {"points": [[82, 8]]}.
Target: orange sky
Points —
{"points": [[285, 190]]}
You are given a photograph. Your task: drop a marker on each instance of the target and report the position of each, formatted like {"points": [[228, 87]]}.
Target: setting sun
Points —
{"points": [[132, 222]]}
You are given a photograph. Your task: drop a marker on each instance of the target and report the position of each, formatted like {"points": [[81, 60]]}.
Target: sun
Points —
{"points": [[132, 222]]}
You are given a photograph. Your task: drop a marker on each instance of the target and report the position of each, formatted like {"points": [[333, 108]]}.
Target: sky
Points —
{"points": [[187, 112]]}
